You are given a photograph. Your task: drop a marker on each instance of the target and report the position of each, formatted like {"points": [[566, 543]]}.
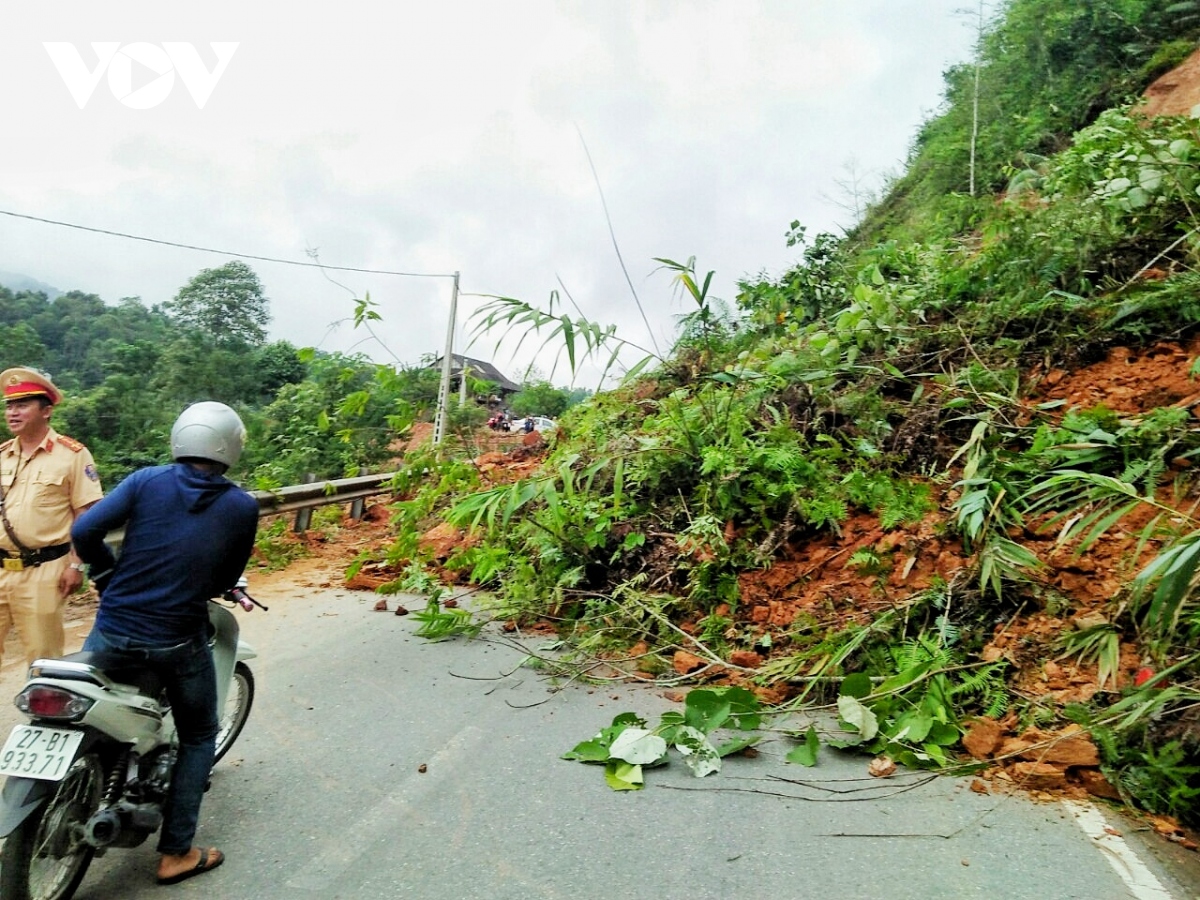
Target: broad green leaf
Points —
{"points": [[638, 746], [623, 776], [744, 708], [586, 752], [914, 727], [858, 717], [935, 753], [904, 679], [706, 710], [592, 751], [943, 734], [806, 753], [905, 757], [856, 685], [697, 752], [737, 744]]}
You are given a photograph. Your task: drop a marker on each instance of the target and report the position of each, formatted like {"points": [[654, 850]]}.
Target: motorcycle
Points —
{"points": [[91, 769]]}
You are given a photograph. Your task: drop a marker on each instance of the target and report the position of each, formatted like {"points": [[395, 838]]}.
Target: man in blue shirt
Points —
{"points": [[189, 532]]}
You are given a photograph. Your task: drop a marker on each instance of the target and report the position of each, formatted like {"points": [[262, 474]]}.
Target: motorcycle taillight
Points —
{"points": [[43, 702]]}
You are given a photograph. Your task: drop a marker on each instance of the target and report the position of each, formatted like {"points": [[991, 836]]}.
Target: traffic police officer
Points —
{"points": [[46, 480]]}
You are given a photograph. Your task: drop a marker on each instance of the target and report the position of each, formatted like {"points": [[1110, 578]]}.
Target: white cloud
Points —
{"points": [[441, 137]]}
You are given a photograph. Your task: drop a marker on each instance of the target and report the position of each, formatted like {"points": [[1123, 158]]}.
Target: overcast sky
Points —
{"points": [[450, 136]]}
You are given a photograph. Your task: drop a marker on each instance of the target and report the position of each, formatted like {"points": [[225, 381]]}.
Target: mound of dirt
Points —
{"points": [[1177, 93]]}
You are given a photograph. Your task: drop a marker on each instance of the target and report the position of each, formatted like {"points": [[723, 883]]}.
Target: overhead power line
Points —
{"points": [[273, 259]]}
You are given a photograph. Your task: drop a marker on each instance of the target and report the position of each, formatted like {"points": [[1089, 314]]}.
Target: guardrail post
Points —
{"points": [[304, 516], [356, 508]]}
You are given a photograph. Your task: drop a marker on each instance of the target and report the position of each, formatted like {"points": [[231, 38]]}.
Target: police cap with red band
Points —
{"points": [[21, 383]]}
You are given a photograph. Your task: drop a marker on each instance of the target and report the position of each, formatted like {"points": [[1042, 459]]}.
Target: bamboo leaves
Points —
{"points": [[579, 338], [1089, 505], [1172, 575]]}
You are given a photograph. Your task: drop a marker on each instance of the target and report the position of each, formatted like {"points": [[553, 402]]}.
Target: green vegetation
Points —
{"points": [[888, 377], [627, 747], [128, 370], [876, 399]]}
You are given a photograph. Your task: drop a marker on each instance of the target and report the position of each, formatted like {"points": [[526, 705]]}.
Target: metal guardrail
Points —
{"points": [[320, 493], [303, 498]]}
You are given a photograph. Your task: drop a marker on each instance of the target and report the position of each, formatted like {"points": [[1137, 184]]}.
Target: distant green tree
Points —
{"points": [[124, 425], [540, 398], [577, 395], [20, 306], [343, 416], [138, 358], [275, 365], [226, 303], [418, 387], [21, 346], [196, 367], [80, 333]]}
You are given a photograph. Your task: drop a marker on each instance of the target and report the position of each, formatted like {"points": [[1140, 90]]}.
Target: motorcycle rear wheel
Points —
{"points": [[237, 709], [46, 857]]}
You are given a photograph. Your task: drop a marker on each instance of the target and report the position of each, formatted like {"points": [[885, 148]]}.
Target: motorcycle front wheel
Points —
{"points": [[46, 856], [237, 709]]}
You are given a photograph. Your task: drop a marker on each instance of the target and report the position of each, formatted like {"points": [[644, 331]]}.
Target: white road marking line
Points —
{"points": [[1142, 883]]}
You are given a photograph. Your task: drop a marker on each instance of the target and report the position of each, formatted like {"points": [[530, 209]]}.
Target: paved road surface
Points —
{"points": [[323, 797]]}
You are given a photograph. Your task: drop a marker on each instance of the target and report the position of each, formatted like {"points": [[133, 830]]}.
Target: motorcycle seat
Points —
{"points": [[113, 664]]}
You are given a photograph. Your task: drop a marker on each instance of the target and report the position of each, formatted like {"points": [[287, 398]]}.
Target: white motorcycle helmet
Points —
{"points": [[208, 430]]}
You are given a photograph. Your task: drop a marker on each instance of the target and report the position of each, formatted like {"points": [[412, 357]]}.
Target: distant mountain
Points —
{"points": [[15, 282]]}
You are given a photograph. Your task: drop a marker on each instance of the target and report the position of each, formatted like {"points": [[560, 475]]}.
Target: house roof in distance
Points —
{"points": [[479, 369]]}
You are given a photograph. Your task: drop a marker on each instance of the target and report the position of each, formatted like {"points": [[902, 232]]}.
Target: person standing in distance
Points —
{"points": [[189, 532], [46, 481]]}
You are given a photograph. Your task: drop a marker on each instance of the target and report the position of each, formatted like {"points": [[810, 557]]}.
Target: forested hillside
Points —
{"points": [[941, 472], [127, 370]]}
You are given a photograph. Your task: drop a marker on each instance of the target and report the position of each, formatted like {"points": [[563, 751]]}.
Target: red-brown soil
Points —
{"points": [[812, 581], [1177, 93]]}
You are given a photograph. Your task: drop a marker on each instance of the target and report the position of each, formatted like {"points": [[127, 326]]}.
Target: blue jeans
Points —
{"points": [[190, 680]]}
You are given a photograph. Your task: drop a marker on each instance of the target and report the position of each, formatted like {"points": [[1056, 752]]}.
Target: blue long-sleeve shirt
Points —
{"points": [[188, 536]]}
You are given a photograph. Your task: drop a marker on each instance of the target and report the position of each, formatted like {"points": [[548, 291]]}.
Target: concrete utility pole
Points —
{"points": [[439, 422], [975, 94]]}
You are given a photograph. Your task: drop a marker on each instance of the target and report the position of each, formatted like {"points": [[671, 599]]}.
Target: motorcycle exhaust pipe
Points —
{"points": [[102, 828]]}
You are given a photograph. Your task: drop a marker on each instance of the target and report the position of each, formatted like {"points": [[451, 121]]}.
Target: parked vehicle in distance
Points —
{"points": [[541, 423]]}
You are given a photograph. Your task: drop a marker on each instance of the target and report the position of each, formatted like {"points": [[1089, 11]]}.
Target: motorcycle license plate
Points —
{"points": [[34, 751]]}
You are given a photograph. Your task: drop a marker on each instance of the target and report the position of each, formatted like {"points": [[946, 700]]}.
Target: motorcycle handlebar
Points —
{"points": [[239, 596]]}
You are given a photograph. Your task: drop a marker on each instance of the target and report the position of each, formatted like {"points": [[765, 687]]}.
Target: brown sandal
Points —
{"points": [[202, 865]]}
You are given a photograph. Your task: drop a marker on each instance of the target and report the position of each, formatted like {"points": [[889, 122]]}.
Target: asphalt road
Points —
{"points": [[324, 796]]}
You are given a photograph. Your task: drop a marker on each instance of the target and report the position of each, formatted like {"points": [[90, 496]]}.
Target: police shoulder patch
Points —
{"points": [[70, 443]]}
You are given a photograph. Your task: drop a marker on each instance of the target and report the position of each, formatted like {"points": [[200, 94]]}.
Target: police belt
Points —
{"points": [[16, 562]]}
